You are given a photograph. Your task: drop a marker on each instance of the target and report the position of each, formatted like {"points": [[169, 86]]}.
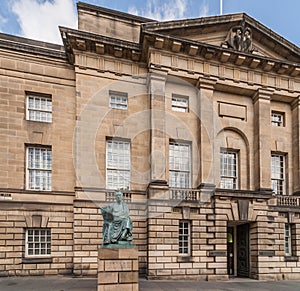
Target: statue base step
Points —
{"points": [[118, 269]]}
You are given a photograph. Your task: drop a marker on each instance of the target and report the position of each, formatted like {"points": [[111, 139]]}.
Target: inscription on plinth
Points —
{"points": [[118, 269]]}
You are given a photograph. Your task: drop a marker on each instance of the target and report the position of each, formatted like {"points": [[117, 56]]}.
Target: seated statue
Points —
{"points": [[117, 223]]}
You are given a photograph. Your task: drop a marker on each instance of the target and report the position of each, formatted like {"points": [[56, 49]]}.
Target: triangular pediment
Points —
{"points": [[237, 32]]}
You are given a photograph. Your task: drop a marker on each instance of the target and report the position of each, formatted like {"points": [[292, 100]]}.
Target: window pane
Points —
{"points": [[184, 237], [42, 242], [39, 168], [277, 118], [180, 103], [287, 240], [118, 164], [39, 108], [228, 170], [278, 174], [179, 165], [118, 100]]}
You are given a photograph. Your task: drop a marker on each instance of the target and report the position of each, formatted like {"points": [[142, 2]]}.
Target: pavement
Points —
{"points": [[66, 283]]}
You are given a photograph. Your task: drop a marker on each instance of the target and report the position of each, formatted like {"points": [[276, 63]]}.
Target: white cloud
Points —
{"points": [[162, 11], [40, 19], [204, 10], [170, 10], [3, 20]]}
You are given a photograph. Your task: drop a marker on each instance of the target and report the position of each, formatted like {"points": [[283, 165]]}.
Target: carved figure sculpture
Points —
{"points": [[247, 41], [239, 38], [117, 225]]}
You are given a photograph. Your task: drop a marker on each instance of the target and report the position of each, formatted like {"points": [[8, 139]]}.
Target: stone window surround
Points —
{"points": [[291, 255], [36, 221]]}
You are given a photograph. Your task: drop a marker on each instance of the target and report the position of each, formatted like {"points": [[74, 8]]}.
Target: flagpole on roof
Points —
{"points": [[221, 7]]}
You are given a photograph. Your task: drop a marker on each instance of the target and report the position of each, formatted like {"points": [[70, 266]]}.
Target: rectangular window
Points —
{"points": [[118, 100], [287, 240], [39, 168], [184, 237], [277, 118], [38, 242], [179, 165], [180, 103], [228, 170], [117, 164], [39, 108], [278, 174]]}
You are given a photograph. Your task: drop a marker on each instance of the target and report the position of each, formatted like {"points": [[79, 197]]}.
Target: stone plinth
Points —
{"points": [[118, 269]]}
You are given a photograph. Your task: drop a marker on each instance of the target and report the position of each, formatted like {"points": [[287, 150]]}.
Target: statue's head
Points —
{"points": [[119, 195], [247, 32]]}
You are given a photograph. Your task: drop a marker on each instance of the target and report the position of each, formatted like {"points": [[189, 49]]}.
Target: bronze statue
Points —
{"points": [[117, 227]]}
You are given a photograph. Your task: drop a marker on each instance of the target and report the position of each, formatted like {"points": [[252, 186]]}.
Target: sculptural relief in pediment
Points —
{"points": [[239, 38]]}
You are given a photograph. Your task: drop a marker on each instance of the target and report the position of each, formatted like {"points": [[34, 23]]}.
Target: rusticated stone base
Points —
{"points": [[118, 269]]}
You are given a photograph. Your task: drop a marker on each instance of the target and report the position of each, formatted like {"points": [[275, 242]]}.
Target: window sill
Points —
{"points": [[291, 258], [185, 259], [38, 122], [36, 260]]}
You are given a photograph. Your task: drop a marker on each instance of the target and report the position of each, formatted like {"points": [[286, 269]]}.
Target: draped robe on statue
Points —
{"points": [[117, 223]]}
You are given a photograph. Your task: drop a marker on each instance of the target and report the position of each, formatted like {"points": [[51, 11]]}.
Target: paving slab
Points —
{"points": [[68, 283]]}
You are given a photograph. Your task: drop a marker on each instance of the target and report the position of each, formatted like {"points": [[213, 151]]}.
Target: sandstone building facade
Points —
{"points": [[198, 120]]}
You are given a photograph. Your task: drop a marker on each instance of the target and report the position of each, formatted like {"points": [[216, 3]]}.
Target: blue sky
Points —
{"points": [[39, 19]]}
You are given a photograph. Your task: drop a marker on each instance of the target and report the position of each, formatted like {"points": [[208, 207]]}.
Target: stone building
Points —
{"points": [[198, 120]]}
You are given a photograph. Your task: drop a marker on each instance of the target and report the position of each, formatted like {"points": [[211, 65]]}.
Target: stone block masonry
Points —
{"points": [[118, 269]]}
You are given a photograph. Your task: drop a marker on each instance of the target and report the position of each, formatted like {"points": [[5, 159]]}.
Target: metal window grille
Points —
{"points": [[287, 240], [39, 168], [118, 100], [228, 170], [39, 108], [278, 174], [38, 242], [117, 164], [179, 165], [184, 237], [277, 119], [180, 104]]}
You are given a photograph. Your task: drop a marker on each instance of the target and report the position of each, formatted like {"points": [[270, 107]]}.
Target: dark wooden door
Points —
{"points": [[243, 250]]}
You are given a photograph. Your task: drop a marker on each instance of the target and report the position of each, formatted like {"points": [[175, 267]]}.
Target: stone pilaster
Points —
{"points": [[208, 122], [262, 139], [296, 145], [156, 89]]}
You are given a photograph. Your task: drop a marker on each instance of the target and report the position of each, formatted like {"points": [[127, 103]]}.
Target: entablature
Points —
{"points": [[76, 40], [181, 47], [237, 78], [31, 47]]}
